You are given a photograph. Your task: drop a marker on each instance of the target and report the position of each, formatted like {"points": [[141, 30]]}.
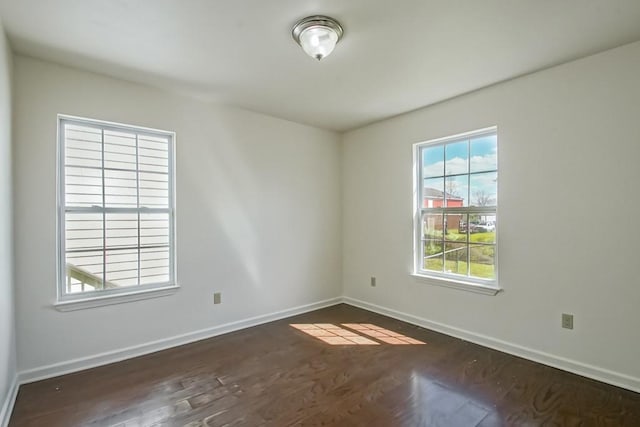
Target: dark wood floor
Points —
{"points": [[280, 375]]}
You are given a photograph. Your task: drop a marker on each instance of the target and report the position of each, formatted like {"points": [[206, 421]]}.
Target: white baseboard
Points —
{"points": [[600, 374], [93, 361], [9, 401]]}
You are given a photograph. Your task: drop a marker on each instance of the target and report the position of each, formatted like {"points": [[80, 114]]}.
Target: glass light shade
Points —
{"points": [[318, 41]]}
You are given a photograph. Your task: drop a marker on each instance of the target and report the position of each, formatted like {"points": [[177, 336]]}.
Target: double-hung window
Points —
{"points": [[456, 183], [115, 209]]}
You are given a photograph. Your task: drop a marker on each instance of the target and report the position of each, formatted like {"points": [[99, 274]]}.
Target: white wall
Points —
{"points": [[7, 325], [258, 214], [569, 144]]}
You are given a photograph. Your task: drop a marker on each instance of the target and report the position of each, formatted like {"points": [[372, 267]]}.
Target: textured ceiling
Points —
{"points": [[396, 56]]}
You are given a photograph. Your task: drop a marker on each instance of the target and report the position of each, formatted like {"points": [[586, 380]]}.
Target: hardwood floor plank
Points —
{"points": [[389, 374]]}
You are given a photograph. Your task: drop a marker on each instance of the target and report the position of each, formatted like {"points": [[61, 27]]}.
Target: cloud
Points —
{"points": [[434, 169], [484, 163], [458, 165]]}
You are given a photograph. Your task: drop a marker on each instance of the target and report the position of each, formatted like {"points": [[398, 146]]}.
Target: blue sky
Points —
{"points": [[459, 160]]}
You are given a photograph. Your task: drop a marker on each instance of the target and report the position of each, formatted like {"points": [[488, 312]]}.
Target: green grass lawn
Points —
{"points": [[454, 236], [482, 257], [483, 271]]}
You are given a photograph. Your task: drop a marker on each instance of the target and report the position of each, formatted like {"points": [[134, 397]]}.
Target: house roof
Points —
{"points": [[432, 193]]}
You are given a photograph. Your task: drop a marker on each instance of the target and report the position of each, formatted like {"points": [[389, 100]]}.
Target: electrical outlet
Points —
{"points": [[217, 298], [373, 281], [567, 321]]}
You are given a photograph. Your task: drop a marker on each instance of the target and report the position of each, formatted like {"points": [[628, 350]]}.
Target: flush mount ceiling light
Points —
{"points": [[317, 35]]}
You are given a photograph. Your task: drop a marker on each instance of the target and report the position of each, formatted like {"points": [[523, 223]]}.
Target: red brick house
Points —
{"points": [[435, 199]]}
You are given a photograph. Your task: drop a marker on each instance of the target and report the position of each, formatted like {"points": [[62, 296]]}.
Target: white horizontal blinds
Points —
{"points": [[154, 247], [83, 166], [120, 169], [117, 207], [153, 167]]}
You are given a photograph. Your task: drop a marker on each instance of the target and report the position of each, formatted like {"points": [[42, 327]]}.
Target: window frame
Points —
{"points": [[453, 280], [72, 301]]}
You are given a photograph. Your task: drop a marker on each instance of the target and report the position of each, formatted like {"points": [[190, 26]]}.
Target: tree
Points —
{"points": [[482, 198], [451, 187]]}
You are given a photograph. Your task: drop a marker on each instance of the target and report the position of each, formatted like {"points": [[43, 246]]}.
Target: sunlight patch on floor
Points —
{"points": [[353, 334], [333, 334], [382, 334]]}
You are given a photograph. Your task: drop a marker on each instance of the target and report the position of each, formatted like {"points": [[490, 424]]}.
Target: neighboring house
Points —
{"points": [[435, 199]]}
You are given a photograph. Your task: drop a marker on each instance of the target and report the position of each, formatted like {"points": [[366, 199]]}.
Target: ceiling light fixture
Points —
{"points": [[317, 35]]}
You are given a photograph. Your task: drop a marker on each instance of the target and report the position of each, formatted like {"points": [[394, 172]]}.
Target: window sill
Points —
{"points": [[84, 303], [458, 284]]}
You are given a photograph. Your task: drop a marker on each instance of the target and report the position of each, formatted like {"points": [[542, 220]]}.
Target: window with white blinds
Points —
{"points": [[116, 208]]}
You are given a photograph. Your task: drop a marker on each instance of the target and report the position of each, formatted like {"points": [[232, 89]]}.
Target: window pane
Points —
{"points": [[433, 226], [122, 268], [483, 228], [154, 229], [120, 189], [433, 193], [83, 231], [457, 191], [456, 227], [482, 261], [484, 154], [83, 271], [82, 146], [153, 154], [83, 187], [122, 250], [121, 230], [433, 161], [119, 150], [154, 265], [484, 189], [154, 190], [433, 255], [83, 252], [432, 238], [456, 258], [82, 133], [457, 156], [83, 160]]}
